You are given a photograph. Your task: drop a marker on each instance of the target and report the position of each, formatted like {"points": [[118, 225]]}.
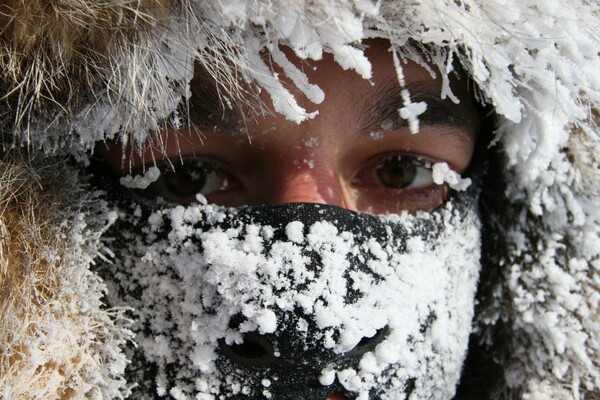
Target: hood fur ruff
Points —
{"points": [[74, 72]]}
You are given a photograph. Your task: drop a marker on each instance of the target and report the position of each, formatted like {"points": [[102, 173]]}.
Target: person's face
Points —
{"points": [[357, 153], [339, 276]]}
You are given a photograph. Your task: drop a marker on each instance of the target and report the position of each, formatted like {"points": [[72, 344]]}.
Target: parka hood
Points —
{"points": [[76, 72]]}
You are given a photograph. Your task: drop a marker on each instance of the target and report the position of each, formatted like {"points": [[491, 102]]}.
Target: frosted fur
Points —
{"points": [[535, 62], [57, 339]]}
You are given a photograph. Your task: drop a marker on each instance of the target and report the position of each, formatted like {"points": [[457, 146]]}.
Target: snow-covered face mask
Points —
{"points": [[297, 301]]}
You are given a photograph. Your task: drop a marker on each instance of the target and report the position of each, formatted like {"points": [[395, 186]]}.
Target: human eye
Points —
{"points": [[403, 172], [398, 182], [181, 181]]}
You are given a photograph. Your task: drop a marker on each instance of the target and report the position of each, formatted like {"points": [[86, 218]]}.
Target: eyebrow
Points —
{"points": [[381, 108]]}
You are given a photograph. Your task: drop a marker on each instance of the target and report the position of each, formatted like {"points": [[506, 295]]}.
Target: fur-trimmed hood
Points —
{"points": [[76, 72]]}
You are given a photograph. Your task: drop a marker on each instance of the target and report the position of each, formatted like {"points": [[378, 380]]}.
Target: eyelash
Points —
{"points": [[424, 195], [418, 163], [405, 161]]}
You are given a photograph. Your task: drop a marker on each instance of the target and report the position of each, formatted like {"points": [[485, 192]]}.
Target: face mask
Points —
{"points": [[296, 301]]}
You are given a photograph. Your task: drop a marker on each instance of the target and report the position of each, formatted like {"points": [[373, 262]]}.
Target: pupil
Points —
{"points": [[186, 180], [394, 172]]}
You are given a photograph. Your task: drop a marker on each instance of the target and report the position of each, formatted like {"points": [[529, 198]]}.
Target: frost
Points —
{"points": [[312, 92], [411, 111], [376, 135], [311, 142], [201, 199], [351, 58], [141, 181], [327, 377], [294, 231], [267, 322], [283, 101], [441, 173]]}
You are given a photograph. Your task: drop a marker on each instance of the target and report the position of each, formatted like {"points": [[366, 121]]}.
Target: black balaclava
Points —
{"points": [[296, 301]]}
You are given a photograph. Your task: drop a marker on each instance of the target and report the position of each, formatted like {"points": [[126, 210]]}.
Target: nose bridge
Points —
{"points": [[302, 179]]}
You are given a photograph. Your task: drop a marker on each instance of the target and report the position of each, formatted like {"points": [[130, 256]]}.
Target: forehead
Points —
{"points": [[329, 73], [350, 103], [343, 90]]}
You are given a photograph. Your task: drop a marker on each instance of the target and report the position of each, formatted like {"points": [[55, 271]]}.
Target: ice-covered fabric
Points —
{"points": [[308, 285], [74, 72]]}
